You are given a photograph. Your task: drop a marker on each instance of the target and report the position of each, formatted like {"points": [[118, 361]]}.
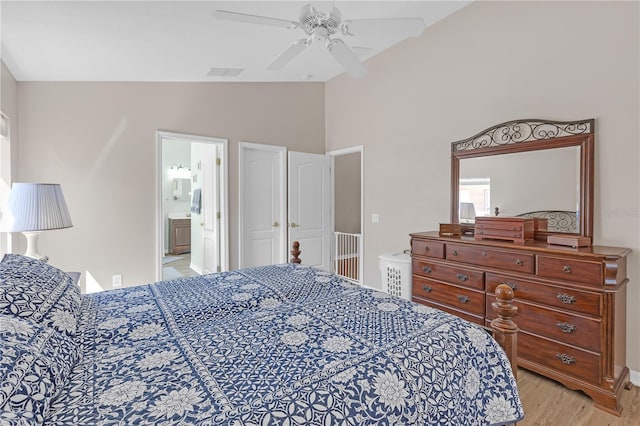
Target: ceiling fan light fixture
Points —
{"points": [[320, 34]]}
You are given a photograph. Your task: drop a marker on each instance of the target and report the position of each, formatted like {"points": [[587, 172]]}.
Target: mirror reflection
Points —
{"points": [[517, 184]]}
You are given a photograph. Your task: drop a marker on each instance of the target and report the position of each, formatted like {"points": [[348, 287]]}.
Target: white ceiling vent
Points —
{"points": [[225, 72]]}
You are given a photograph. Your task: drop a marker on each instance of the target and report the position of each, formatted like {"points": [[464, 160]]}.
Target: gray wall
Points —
{"points": [[347, 193], [489, 63], [98, 140]]}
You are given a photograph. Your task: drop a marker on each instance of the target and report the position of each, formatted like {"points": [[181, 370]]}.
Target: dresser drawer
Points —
{"points": [[570, 270], [427, 248], [450, 273], [567, 328], [511, 261], [477, 319], [583, 365], [558, 297], [457, 297]]}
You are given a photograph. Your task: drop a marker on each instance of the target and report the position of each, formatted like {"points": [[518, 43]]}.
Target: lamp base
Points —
{"points": [[32, 245]]}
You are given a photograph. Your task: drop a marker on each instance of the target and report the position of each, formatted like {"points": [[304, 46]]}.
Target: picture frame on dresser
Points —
{"points": [[571, 301]]}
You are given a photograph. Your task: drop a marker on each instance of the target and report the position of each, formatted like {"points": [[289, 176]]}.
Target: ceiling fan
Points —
{"points": [[320, 27]]}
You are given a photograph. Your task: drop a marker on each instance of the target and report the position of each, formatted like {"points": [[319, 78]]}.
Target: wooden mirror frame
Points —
{"points": [[532, 135]]}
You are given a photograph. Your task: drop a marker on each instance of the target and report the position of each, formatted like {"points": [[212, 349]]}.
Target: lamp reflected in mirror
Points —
{"points": [[467, 212]]}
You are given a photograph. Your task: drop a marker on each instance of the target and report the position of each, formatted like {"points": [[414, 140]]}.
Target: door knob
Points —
{"points": [[275, 224], [293, 225]]}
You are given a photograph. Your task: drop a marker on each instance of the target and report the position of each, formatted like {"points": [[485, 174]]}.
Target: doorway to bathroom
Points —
{"points": [[192, 207]]}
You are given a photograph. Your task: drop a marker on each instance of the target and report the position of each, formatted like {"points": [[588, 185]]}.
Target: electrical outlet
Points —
{"points": [[375, 218], [116, 280]]}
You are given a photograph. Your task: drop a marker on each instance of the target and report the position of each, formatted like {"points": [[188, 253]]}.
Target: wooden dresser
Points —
{"points": [[571, 303]]}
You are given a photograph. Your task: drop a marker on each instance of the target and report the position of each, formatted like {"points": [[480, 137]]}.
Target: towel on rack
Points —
{"points": [[196, 202]]}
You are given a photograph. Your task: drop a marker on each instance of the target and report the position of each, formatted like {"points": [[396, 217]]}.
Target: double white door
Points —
{"points": [[278, 208]]}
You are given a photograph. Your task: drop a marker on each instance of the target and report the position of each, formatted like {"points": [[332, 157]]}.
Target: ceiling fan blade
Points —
{"points": [[346, 58], [287, 56], [255, 19], [410, 27]]}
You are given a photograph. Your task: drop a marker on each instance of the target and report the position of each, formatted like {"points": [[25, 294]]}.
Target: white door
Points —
{"points": [[210, 214], [309, 202], [262, 205]]}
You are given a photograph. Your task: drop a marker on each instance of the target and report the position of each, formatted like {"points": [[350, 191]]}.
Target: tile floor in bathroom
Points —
{"points": [[178, 267]]}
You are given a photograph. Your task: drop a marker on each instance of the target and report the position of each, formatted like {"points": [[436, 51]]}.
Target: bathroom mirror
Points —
{"points": [[181, 189], [532, 168]]}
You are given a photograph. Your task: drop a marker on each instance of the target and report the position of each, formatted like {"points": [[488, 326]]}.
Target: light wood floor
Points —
{"points": [[547, 402]]}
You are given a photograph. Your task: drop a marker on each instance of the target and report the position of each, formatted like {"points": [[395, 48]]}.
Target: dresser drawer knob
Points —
{"points": [[427, 269], [462, 298], [427, 248], [566, 359], [565, 298], [455, 252], [510, 284], [426, 288], [484, 253], [519, 262], [566, 327], [567, 269], [462, 277]]}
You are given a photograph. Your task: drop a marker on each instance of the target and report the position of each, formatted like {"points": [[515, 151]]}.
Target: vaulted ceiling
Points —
{"points": [[182, 41]]}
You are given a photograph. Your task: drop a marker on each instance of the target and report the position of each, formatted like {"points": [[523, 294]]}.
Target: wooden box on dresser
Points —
{"points": [[571, 303]]}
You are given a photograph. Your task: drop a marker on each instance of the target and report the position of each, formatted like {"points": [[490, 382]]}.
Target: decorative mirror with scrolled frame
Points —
{"points": [[527, 168]]}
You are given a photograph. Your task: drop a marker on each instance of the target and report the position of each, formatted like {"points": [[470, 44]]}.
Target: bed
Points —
{"points": [[281, 344]]}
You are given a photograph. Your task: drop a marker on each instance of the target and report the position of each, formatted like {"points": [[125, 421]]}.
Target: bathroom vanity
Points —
{"points": [[179, 235]]}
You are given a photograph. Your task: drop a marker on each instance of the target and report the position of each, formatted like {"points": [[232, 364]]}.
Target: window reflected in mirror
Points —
{"points": [[475, 198]]}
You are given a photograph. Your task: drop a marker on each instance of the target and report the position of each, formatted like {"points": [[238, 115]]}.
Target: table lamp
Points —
{"points": [[33, 208]]}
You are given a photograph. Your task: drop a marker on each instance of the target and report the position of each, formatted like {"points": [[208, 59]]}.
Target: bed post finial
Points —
{"points": [[295, 252], [505, 331]]}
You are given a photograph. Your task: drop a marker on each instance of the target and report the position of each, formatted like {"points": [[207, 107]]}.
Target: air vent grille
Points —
{"points": [[225, 72]]}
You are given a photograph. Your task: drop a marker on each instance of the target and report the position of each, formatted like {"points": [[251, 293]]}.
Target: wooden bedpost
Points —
{"points": [[505, 331], [295, 252]]}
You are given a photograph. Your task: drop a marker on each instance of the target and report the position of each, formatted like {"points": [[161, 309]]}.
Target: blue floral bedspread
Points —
{"points": [[279, 345]]}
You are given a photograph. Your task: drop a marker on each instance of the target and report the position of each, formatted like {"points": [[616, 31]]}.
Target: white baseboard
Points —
{"points": [[635, 377], [372, 288], [195, 268]]}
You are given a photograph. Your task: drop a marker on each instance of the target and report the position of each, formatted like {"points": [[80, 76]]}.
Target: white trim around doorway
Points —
{"points": [[337, 153], [224, 199]]}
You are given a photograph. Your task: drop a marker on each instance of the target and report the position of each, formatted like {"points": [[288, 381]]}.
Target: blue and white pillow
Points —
{"points": [[35, 364], [30, 288]]}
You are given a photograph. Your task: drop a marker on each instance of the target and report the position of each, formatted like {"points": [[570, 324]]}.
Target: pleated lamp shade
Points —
{"points": [[33, 208], [36, 207]]}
